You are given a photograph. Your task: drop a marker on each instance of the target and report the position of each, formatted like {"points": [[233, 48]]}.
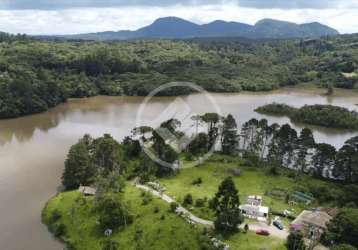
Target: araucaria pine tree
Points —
{"points": [[226, 205], [229, 139]]}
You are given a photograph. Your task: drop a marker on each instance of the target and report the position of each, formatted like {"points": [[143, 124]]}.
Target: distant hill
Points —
{"points": [[270, 28], [177, 28]]}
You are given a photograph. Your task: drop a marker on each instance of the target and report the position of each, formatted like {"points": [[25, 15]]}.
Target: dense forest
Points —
{"points": [[320, 115], [36, 75]]}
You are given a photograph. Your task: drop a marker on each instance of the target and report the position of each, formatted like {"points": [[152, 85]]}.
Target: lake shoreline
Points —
{"points": [[305, 88]]}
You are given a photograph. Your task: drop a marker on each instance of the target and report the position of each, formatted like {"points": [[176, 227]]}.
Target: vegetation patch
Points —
{"points": [[38, 75], [250, 241], [321, 115], [253, 181], [153, 227]]}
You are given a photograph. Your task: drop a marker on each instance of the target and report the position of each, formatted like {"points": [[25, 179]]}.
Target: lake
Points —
{"points": [[33, 148]]}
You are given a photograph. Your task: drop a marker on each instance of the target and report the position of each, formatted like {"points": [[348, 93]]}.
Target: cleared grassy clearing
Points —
{"points": [[149, 230], [252, 181], [251, 241]]}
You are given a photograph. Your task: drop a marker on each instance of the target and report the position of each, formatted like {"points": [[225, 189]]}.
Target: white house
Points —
{"points": [[254, 212], [253, 208]]}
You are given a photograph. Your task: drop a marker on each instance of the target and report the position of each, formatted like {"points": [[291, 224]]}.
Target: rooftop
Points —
{"points": [[317, 218], [260, 209], [87, 190]]}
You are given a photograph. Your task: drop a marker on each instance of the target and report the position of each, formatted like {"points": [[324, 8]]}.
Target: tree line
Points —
{"points": [[265, 145], [37, 75]]}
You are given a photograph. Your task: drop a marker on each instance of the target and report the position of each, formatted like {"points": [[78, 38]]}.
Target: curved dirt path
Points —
{"points": [[281, 234]]}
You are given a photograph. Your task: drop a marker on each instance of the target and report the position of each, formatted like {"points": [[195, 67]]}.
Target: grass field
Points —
{"points": [[252, 181], [149, 230], [251, 241]]}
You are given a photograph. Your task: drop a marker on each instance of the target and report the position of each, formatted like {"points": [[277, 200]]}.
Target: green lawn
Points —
{"points": [[251, 241], [149, 230], [253, 181]]}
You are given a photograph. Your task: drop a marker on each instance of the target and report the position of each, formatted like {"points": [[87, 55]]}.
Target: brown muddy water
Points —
{"points": [[33, 148]]}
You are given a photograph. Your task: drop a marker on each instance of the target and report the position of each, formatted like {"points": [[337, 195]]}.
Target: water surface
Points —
{"points": [[33, 148]]}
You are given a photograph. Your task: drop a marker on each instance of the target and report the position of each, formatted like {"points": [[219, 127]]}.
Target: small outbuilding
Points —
{"points": [[301, 198], [87, 191], [255, 200]]}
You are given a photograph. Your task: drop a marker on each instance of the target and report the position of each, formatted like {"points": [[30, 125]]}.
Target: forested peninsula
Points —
{"points": [[36, 75], [321, 115], [119, 210]]}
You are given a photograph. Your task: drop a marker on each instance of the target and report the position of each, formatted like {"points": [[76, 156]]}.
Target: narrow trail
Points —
{"points": [[281, 234]]}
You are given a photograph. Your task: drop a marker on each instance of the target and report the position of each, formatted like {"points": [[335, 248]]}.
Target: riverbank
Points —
{"points": [[304, 88]]}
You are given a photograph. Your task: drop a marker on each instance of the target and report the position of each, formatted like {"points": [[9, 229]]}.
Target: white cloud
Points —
{"points": [[298, 4], [72, 21]]}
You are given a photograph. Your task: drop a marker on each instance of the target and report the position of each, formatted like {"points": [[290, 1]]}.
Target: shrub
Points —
{"points": [[55, 216], [138, 233], [291, 174], [113, 213], [69, 245], [173, 206], [274, 171], [58, 230], [147, 198], [252, 160], [188, 199], [110, 245], [343, 247], [205, 243], [295, 241], [200, 202], [246, 228], [197, 181], [211, 203], [189, 157]]}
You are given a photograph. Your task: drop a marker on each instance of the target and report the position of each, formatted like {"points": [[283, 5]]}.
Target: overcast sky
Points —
{"points": [[82, 16]]}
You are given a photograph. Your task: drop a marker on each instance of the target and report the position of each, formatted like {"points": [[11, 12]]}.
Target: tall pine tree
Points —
{"points": [[304, 143], [226, 206], [347, 161], [229, 139]]}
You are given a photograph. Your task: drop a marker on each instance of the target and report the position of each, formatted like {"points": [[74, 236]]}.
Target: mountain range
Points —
{"points": [[177, 28]]}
